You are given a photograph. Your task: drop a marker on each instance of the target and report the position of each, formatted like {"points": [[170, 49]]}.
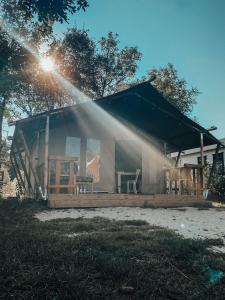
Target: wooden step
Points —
{"points": [[113, 200]]}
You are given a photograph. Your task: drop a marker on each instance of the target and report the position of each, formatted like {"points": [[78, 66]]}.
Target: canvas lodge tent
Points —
{"points": [[84, 155]]}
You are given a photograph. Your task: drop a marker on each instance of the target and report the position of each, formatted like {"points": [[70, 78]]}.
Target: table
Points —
{"points": [[119, 176]]}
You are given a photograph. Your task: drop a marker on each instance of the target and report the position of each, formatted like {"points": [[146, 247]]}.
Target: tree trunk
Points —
{"points": [[2, 110]]}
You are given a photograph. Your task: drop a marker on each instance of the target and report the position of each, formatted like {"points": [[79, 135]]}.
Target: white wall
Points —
{"points": [[191, 156]]}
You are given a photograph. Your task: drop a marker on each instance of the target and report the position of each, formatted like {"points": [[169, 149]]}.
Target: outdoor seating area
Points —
{"points": [[63, 179]]}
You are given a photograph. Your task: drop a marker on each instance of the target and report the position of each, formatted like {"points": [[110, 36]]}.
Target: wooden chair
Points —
{"points": [[133, 182]]}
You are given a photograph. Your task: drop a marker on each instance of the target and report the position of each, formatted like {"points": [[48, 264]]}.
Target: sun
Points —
{"points": [[47, 64]]}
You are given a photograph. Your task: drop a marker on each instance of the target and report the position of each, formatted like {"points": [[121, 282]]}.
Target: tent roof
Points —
{"points": [[144, 108]]}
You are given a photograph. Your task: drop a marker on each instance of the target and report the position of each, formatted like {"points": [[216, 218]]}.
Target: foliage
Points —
{"points": [[4, 152], [75, 57], [38, 91], [173, 88], [96, 68], [217, 186], [34, 21], [10, 60], [31, 90], [25, 89], [40, 14], [114, 66], [14, 64]]}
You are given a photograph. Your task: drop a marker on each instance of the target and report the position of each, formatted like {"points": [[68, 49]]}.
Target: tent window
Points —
{"points": [[73, 146], [93, 159], [73, 149]]}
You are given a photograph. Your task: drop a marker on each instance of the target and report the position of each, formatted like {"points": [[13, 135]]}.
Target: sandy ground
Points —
{"points": [[190, 222]]}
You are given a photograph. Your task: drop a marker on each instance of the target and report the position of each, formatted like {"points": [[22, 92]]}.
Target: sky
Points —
{"points": [[188, 33]]}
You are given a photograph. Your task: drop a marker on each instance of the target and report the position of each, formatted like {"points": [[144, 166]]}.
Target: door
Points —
{"points": [[128, 158]]}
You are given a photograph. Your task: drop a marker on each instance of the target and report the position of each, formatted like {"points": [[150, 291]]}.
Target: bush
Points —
{"points": [[217, 186]]}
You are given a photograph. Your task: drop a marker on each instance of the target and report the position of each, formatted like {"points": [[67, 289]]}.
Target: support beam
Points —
{"points": [[202, 159], [17, 171], [23, 164], [46, 157], [213, 166], [165, 148], [83, 151], [27, 151], [202, 149], [177, 159]]}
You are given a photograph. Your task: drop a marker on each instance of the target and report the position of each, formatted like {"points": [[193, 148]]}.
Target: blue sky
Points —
{"points": [[188, 33]]}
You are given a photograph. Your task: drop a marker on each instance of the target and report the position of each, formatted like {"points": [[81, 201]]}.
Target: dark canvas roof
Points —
{"points": [[143, 107]]}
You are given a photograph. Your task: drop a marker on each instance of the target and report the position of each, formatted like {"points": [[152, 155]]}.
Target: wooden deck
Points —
{"points": [[113, 200]]}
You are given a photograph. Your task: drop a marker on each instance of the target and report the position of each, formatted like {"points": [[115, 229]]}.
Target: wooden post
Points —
{"points": [[17, 172], [194, 180], [71, 180], [202, 148], [165, 148], [83, 150], [46, 157], [23, 164], [202, 158], [178, 158], [57, 175], [36, 150]]}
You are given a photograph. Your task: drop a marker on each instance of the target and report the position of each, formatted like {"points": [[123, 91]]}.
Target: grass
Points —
{"points": [[40, 261]]}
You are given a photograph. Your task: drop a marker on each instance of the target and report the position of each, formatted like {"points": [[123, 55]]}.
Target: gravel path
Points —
{"points": [[190, 222]]}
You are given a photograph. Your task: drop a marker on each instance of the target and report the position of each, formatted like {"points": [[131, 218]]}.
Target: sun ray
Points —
{"points": [[47, 64]]}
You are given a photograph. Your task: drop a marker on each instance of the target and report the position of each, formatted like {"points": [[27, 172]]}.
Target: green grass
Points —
{"points": [[39, 261]]}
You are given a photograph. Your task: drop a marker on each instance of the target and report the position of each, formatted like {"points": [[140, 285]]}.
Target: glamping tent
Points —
{"points": [[107, 148]]}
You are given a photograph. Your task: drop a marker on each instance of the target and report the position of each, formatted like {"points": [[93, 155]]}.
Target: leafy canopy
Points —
{"points": [[41, 13], [97, 68], [33, 19], [173, 88]]}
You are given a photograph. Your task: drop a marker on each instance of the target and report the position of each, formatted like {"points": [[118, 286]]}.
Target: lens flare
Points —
{"points": [[47, 64]]}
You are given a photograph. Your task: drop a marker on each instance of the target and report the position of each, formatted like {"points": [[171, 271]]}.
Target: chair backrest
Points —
{"points": [[138, 171]]}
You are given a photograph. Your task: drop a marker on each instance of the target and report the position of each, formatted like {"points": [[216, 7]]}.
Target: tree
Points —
{"points": [[24, 87], [96, 68], [8, 56], [37, 91], [217, 185], [75, 58], [33, 19], [114, 66], [173, 88], [39, 14]]}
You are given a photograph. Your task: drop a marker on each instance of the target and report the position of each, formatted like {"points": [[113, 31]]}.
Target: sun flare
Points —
{"points": [[47, 64]]}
